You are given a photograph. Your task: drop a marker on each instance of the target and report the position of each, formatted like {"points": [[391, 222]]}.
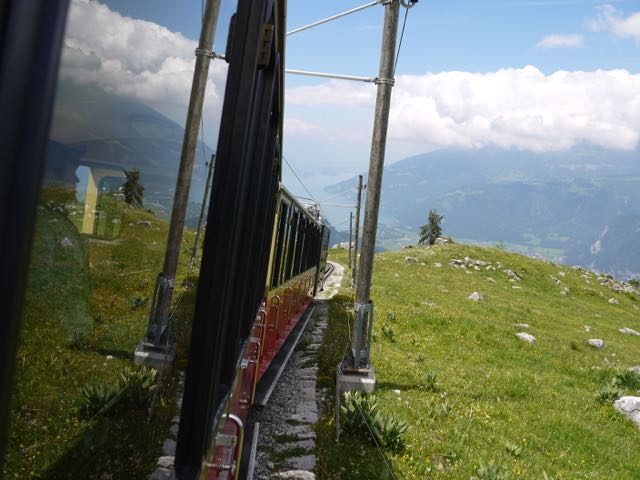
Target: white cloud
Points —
{"points": [[510, 108], [296, 125], [554, 41], [614, 21], [136, 58]]}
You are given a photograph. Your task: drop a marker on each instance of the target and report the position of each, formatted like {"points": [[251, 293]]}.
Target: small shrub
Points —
{"points": [[78, 341], [389, 431], [607, 395], [391, 316], [513, 449], [627, 379], [138, 385], [574, 345], [634, 282], [139, 302], [388, 333], [361, 417], [441, 410], [358, 410], [430, 382], [491, 471], [100, 398]]}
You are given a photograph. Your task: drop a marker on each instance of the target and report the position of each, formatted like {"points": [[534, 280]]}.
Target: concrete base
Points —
{"points": [[160, 360], [352, 382]]}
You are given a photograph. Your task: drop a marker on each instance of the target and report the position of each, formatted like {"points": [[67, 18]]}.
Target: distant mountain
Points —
{"points": [[111, 132], [555, 205]]}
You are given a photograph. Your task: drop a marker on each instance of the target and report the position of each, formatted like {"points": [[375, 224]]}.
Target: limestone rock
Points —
{"points": [[411, 260], [166, 461], [635, 369], [596, 342], [161, 474], [475, 296], [441, 241], [304, 462], [630, 408], [628, 331], [526, 337], [296, 475], [614, 301], [512, 275], [65, 242], [522, 325], [169, 447]]}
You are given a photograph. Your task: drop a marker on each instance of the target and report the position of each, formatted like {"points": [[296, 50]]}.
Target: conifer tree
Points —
{"points": [[132, 190], [432, 230]]}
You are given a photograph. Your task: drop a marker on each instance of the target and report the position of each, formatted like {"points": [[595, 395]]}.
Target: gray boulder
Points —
{"points": [[630, 408], [596, 342], [628, 331], [526, 337]]}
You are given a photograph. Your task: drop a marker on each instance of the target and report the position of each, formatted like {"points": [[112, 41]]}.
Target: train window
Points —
{"points": [[80, 408]]}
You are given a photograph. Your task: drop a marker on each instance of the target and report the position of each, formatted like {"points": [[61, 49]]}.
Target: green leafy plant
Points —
{"points": [[512, 449], [100, 397], [430, 382], [391, 316], [627, 379], [440, 410], [389, 431], [138, 385], [491, 471], [634, 282], [361, 417], [388, 333], [608, 394], [358, 411]]}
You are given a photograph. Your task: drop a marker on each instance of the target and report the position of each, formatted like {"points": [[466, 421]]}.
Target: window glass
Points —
{"points": [[80, 407]]}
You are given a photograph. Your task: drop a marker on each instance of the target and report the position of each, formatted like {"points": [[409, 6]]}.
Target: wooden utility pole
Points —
{"points": [[159, 315], [354, 271], [378, 144]]}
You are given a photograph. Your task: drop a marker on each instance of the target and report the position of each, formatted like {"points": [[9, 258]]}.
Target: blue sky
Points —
{"points": [[470, 35], [536, 75]]}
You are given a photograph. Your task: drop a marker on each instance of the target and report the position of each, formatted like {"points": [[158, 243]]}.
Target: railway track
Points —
{"points": [[270, 379]]}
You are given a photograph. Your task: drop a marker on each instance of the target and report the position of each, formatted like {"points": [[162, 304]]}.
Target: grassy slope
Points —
{"points": [[84, 315], [539, 397]]}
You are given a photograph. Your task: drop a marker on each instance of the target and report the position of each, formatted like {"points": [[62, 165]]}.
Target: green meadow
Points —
{"points": [[479, 402]]}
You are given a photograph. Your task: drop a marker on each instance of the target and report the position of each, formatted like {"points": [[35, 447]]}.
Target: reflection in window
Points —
{"points": [[80, 409]]}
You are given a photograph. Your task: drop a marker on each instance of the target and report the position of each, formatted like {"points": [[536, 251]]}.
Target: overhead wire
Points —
{"points": [[298, 178], [404, 24]]}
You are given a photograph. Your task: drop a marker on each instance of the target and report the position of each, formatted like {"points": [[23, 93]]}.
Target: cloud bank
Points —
{"points": [[510, 108], [135, 58], [555, 41]]}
